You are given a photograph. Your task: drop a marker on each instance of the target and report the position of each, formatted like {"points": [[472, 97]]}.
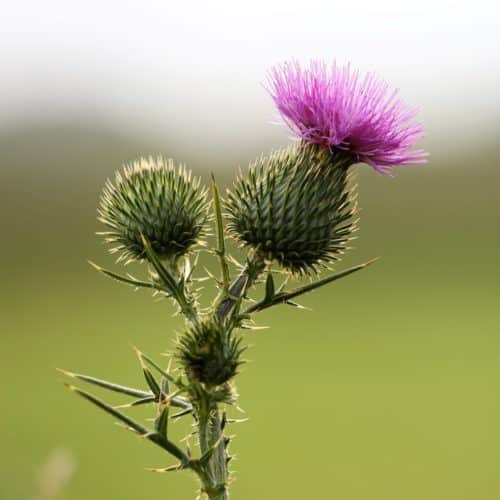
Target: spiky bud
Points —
{"points": [[155, 199], [209, 354], [295, 206]]}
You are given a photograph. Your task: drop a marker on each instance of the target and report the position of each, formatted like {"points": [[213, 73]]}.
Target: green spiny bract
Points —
{"points": [[295, 207], [209, 354], [152, 198]]}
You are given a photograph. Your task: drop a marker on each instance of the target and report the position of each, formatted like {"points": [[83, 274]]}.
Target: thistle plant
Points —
{"points": [[294, 213]]}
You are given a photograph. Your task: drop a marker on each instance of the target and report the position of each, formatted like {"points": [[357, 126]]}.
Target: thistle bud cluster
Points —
{"points": [[293, 211]]}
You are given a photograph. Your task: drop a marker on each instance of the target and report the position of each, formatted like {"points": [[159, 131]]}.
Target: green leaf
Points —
{"points": [[165, 386], [161, 422], [161, 371], [269, 287], [139, 402], [152, 383], [129, 422], [180, 414], [129, 391], [286, 297], [124, 279]]}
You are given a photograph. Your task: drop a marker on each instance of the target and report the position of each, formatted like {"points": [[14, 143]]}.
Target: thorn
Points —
{"points": [[371, 261], [121, 407], [66, 372], [172, 468], [139, 355], [127, 428], [237, 420], [95, 266], [147, 435]]}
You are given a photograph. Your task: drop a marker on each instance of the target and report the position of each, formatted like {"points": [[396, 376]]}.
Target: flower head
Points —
{"points": [[335, 107], [295, 207], [155, 200]]}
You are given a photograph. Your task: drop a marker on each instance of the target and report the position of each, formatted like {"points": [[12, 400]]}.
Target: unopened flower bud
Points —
{"points": [[295, 206], [209, 354], [154, 199]]}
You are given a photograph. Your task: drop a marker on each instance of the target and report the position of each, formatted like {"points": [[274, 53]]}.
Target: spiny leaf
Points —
{"points": [[161, 422], [161, 371], [269, 287], [129, 422], [187, 411], [124, 279], [129, 391], [288, 296], [154, 437], [165, 387], [138, 402], [151, 381]]}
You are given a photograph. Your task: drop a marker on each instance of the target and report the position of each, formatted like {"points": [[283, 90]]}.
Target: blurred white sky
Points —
{"points": [[193, 69]]}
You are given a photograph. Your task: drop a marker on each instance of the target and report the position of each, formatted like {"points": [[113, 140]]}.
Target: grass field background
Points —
{"points": [[388, 390]]}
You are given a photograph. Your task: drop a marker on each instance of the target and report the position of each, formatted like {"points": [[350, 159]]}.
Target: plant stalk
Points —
{"points": [[249, 274], [219, 459], [211, 437]]}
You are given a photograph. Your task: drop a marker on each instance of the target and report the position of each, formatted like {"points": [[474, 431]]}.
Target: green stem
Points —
{"points": [[210, 433], [219, 459]]}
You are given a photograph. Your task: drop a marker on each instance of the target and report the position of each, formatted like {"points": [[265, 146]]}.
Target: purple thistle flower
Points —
{"points": [[334, 107]]}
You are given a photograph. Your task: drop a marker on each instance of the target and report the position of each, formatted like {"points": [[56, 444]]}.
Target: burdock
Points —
{"points": [[294, 213]]}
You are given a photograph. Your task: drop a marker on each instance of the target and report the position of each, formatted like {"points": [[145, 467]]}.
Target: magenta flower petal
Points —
{"points": [[334, 106]]}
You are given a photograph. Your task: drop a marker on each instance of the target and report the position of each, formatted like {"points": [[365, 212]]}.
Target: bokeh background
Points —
{"points": [[390, 388]]}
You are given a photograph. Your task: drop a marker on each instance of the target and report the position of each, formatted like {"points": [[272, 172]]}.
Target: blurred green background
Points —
{"points": [[389, 389]]}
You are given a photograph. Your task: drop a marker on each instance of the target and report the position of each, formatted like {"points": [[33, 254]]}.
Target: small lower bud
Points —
{"points": [[209, 354]]}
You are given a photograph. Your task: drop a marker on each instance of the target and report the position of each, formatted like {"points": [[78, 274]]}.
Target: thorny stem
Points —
{"points": [[182, 296], [210, 436], [220, 456], [249, 274], [210, 424], [221, 245]]}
